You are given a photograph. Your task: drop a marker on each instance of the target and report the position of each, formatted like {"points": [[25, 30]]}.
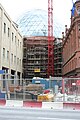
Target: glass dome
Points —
{"points": [[35, 23]]}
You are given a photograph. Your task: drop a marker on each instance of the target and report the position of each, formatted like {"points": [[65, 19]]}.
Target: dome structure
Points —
{"points": [[35, 23]]}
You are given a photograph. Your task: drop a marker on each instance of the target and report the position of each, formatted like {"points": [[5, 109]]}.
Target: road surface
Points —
{"points": [[13, 113]]}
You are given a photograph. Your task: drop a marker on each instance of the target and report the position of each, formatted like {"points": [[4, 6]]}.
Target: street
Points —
{"points": [[18, 113]]}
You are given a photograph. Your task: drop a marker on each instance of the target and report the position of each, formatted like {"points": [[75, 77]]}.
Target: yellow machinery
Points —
{"points": [[47, 97]]}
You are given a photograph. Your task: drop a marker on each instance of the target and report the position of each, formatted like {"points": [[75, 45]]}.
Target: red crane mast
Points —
{"points": [[50, 39]]}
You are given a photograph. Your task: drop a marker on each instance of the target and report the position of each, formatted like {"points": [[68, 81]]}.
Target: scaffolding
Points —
{"points": [[35, 59], [58, 57]]}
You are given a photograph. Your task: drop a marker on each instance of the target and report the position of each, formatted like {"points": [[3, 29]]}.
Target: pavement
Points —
{"points": [[21, 113]]}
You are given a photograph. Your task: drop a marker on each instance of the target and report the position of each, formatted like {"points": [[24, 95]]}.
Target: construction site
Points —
{"points": [[45, 72], [42, 60], [58, 62], [35, 59], [38, 60]]}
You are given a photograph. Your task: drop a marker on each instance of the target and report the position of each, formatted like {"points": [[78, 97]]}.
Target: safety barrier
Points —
{"points": [[14, 103], [52, 105], [74, 106], [34, 104], [2, 102]]}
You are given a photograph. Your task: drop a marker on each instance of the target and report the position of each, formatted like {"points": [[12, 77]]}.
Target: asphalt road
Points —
{"points": [[13, 113]]}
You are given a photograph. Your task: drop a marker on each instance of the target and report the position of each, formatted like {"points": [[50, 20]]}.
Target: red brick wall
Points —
{"points": [[71, 46]]}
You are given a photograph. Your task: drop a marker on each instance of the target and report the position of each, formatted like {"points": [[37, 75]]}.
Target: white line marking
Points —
{"points": [[45, 118]]}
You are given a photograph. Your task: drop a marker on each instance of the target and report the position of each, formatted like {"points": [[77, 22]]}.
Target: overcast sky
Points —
{"points": [[61, 8]]}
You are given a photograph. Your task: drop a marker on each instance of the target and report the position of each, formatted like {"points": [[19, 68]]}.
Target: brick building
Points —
{"points": [[71, 45]]}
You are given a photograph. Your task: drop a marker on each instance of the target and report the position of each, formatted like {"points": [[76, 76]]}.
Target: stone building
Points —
{"points": [[11, 46]]}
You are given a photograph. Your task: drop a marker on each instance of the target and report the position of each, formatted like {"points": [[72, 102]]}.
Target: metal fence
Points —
{"points": [[19, 89], [22, 89], [71, 89]]}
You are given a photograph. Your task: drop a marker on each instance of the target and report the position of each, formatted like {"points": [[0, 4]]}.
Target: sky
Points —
{"points": [[61, 8]]}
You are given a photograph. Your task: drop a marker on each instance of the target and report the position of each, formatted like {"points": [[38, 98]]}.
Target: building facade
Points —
{"points": [[11, 45], [35, 57], [71, 45]]}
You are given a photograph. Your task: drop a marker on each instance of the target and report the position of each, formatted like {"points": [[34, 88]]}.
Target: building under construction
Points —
{"points": [[57, 57], [38, 55], [35, 57]]}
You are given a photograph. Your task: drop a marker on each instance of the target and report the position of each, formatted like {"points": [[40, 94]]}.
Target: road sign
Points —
{"points": [[2, 71]]}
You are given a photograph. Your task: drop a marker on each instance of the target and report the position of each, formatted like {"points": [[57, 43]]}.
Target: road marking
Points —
{"points": [[43, 118], [46, 118], [18, 117]]}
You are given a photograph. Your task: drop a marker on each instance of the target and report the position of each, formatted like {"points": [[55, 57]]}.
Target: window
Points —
{"points": [[4, 83], [15, 39], [12, 36], [17, 61], [20, 61], [79, 27], [4, 27], [3, 52], [79, 11], [78, 41], [12, 58], [8, 32], [18, 42], [7, 55]]}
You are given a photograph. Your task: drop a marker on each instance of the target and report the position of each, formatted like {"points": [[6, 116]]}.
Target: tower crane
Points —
{"points": [[50, 39]]}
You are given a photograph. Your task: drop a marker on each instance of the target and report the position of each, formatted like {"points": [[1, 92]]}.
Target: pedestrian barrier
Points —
{"points": [[36, 104], [32, 104], [2, 102], [71, 106], [14, 103], [52, 105]]}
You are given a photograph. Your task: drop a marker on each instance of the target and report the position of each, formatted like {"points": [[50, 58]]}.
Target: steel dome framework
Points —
{"points": [[38, 23], [35, 23]]}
